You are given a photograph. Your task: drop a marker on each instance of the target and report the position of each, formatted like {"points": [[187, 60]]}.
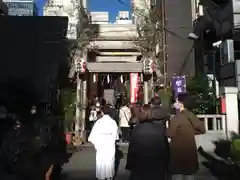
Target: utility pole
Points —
{"points": [[80, 71], [145, 88], [214, 78], [164, 41]]}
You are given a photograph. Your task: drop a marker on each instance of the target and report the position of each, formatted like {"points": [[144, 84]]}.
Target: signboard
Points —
{"points": [[148, 66], [109, 96], [223, 105], [80, 65], [20, 8], [179, 85]]}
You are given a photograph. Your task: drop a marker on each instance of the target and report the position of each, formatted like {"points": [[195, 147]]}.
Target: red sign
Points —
{"points": [[134, 87], [84, 66], [223, 105]]}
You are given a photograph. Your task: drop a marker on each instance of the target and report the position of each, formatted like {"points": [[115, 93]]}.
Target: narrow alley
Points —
{"points": [[81, 166]]}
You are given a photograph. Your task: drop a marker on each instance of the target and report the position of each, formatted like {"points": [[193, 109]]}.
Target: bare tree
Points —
{"points": [[77, 51], [150, 31], [79, 47]]}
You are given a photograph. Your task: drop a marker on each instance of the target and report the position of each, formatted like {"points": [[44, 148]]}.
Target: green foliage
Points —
{"points": [[222, 148], [150, 33], [85, 31], [166, 96], [204, 101], [229, 149], [235, 149], [68, 97]]}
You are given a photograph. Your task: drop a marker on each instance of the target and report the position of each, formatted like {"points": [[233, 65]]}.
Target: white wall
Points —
{"points": [[99, 16], [113, 44], [123, 22], [117, 31]]}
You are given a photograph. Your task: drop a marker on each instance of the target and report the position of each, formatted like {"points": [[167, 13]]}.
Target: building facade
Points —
{"points": [[179, 50], [21, 8], [99, 17]]}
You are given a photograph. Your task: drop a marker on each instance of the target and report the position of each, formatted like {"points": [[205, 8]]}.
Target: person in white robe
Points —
{"points": [[103, 136]]}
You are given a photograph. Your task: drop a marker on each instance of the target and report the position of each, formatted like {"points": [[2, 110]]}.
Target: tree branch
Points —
{"points": [[149, 33]]}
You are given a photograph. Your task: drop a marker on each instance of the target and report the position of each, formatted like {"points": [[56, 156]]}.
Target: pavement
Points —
{"points": [[81, 166]]}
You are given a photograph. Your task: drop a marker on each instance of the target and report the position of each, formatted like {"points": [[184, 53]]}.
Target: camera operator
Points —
{"points": [[25, 150]]}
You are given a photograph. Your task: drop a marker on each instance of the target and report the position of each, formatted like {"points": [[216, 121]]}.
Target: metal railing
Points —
{"points": [[213, 122]]}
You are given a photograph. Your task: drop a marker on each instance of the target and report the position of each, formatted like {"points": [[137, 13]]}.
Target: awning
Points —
{"points": [[114, 67]]}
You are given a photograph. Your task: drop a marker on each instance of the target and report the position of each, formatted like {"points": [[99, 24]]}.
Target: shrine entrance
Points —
{"points": [[111, 86]]}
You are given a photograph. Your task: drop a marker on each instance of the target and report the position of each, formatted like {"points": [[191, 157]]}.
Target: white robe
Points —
{"points": [[103, 136]]}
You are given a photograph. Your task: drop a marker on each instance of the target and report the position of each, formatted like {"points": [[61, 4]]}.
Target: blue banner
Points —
{"points": [[179, 85]]}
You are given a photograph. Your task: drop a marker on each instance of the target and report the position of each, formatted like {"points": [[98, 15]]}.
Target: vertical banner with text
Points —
{"points": [[179, 85], [134, 87]]}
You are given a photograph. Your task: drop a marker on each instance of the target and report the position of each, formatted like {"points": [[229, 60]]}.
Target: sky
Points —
{"points": [[112, 6]]}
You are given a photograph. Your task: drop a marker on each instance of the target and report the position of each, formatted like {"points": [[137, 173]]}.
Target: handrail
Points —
{"points": [[213, 122]]}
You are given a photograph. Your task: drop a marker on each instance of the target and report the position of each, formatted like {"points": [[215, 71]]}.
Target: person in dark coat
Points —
{"points": [[148, 150], [134, 120], [160, 114], [3, 9], [112, 112], [183, 151]]}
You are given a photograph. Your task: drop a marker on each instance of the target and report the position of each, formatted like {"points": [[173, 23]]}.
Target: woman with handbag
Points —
{"points": [[183, 151], [124, 118]]}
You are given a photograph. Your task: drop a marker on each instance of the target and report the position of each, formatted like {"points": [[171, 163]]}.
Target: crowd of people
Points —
{"points": [[161, 144]]}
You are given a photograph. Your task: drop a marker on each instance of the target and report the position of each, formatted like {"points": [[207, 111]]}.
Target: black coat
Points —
{"points": [[148, 151], [159, 113]]}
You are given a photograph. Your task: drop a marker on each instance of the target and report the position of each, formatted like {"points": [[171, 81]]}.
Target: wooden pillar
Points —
{"points": [[84, 107], [146, 88]]}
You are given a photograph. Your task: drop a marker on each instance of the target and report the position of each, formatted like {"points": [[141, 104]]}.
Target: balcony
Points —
{"points": [[116, 32]]}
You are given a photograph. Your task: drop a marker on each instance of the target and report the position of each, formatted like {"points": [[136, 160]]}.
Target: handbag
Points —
{"points": [[125, 116]]}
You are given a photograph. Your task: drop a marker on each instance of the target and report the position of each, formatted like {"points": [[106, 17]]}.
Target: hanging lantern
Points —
{"points": [[80, 65], [147, 66]]}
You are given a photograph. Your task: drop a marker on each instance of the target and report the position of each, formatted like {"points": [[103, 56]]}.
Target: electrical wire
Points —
{"points": [[157, 29], [175, 34], [161, 27], [185, 60]]}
